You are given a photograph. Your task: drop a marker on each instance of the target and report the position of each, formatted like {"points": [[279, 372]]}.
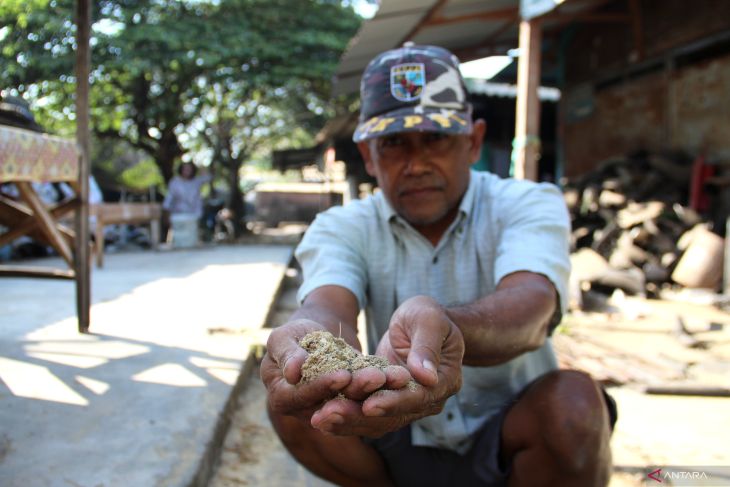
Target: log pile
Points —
{"points": [[632, 229]]}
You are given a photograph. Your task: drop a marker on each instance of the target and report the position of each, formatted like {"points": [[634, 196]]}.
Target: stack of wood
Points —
{"points": [[633, 231]]}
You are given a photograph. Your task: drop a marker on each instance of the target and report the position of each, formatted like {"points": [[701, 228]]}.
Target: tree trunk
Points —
{"points": [[236, 197], [167, 152]]}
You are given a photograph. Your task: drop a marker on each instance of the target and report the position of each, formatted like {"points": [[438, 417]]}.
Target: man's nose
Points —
{"points": [[417, 159]]}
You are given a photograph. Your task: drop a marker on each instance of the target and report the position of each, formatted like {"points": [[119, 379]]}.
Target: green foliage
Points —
{"points": [[141, 176], [226, 79], [117, 165]]}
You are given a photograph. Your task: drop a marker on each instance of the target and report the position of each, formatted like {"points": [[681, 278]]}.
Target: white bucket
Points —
{"points": [[184, 230]]}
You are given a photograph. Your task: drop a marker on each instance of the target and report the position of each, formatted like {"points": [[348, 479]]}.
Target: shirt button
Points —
{"points": [[450, 416], [435, 259]]}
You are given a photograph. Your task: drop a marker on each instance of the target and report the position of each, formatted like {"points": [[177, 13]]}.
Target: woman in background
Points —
{"points": [[183, 192]]}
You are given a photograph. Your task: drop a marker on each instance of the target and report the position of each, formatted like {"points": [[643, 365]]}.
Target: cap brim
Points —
{"points": [[415, 119]]}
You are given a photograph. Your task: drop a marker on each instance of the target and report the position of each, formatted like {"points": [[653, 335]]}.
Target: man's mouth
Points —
{"points": [[419, 191]]}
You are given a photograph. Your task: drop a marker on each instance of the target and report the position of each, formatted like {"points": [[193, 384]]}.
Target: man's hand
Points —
{"points": [[281, 371], [423, 339]]}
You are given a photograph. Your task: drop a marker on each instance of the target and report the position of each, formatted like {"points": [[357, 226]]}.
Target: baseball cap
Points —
{"points": [[414, 88]]}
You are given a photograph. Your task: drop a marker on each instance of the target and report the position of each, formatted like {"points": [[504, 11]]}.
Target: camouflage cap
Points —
{"points": [[413, 89]]}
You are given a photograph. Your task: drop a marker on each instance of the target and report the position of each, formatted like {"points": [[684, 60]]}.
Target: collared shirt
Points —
{"points": [[503, 226]]}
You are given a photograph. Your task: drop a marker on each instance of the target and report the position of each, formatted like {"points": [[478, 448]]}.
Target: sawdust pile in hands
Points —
{"points": [[328, 354]]}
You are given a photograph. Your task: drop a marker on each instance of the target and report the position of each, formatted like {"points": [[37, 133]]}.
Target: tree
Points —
{"points": [[282, 92], [232, 73]]}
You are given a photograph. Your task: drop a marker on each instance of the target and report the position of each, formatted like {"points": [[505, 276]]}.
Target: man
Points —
{"points": [[463, 277]]}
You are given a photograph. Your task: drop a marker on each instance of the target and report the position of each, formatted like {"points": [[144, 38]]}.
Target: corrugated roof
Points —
{"points": [[471, 29], [507, 90]]}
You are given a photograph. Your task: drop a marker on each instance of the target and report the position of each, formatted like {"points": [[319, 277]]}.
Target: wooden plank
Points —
{"points": [[111, 213], [527, 127], [22, 221], [435, 11], [45, 221], [505, 13], [726, 260], [637, 30], [31, 271]]}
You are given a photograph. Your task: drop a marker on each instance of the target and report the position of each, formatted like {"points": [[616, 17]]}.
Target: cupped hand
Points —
{"points": [[281, 371], [384, 411], [423, 340]]}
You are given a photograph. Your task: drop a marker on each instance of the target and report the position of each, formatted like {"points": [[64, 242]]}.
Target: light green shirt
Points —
{"points": [[503, 226]]}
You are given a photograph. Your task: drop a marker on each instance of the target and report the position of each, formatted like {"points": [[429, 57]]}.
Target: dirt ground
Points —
{"points": [[635, 346], [630, 345]]}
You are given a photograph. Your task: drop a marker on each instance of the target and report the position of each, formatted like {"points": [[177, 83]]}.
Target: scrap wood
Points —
{"points": [[688, 390], [632, 210], [686, 337]]}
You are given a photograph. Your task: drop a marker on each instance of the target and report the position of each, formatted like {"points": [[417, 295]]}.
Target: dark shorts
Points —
{"points": [[423, 466]]}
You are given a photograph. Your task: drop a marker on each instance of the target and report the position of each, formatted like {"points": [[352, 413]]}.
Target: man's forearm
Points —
{"points": [[511, 321]]}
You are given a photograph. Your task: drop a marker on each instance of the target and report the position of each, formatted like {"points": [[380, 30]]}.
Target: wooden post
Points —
{"points": [[82, 254], [526, 146], [726, 263]]}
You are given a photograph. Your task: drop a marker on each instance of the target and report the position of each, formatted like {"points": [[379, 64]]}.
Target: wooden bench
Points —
{"points": [[125, 214]]}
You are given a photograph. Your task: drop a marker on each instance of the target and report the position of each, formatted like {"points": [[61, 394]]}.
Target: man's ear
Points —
{"points": [[364, 148], [477, 138]]}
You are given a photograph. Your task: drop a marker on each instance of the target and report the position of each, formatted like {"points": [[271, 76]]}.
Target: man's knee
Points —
{"points": [[568, 417], [574, 418]]}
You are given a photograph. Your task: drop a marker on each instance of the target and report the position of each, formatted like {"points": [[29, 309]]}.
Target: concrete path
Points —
{"points": [[140, 400], [252, 453]]}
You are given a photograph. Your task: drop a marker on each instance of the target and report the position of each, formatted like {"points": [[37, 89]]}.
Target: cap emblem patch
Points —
{"points": [[407, 81]]}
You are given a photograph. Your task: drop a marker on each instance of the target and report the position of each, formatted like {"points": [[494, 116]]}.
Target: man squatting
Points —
{"points": [[463, 277]]}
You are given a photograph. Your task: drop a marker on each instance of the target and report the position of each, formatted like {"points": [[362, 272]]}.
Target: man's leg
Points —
{"points": [[343, 460], [558, 433]]}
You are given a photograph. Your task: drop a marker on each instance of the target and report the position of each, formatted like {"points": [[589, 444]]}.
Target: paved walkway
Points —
{"points": [[140, 400]]}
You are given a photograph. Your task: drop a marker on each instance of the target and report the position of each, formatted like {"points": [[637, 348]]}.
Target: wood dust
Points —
{"points": [[328, 354]]}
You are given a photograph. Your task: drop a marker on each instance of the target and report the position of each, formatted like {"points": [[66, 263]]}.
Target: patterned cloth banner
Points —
{"points": [[33, 157]]}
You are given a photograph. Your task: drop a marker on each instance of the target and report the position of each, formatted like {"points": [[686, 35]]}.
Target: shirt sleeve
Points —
{"points": [[331, 254], [535, 235], [204, 179]]}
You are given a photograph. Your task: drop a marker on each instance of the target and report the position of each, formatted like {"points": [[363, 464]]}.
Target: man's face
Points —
{"points": [[423, 174]]}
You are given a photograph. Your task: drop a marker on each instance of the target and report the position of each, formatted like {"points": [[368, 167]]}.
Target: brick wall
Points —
{"points": [[669, 100]]}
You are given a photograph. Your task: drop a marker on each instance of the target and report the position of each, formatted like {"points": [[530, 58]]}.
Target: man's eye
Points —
{"points": [[435, 136], [392, 142]]}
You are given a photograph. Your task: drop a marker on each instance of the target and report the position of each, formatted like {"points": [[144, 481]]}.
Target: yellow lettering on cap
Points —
{"points": [[440, 119], [457, 119], [382, 125], [412, 121], [366, 126]]}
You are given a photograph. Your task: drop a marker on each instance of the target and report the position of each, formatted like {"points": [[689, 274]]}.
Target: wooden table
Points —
{"points": [[124, 213], [27, 157]]}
